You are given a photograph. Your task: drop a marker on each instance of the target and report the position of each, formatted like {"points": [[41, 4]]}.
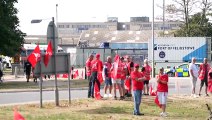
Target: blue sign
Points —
{"points": [[162, 54]]}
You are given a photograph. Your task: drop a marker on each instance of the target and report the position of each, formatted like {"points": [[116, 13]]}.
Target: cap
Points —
{"points": [[98, 55], [136, 65]]}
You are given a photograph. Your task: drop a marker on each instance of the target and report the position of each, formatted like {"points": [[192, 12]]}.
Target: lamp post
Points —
{"points": [[164, 18], [153, 37], [51, 35]]}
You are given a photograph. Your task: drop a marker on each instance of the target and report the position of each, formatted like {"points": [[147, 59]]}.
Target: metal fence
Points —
{"points": [[79, 58]]}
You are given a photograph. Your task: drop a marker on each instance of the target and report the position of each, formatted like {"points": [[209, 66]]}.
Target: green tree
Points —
{"points": [[11, 38], [199, 26]]}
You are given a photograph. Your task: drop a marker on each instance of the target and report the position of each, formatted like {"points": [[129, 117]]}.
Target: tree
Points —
{"points": [[199, 27], [193, 14], [11, 38], [182, 8]]}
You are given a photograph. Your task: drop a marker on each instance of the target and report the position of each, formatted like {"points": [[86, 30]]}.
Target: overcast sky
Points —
{"points": [[80, 11]]}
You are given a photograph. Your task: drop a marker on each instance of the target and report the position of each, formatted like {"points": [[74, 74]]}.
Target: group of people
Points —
{"points": [[204, 73], [126, 76]]}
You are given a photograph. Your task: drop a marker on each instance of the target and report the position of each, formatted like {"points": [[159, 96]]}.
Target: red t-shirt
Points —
{"points": [[137, 85], [163, 87], [97, 65], [88, 65], [147, 71]]}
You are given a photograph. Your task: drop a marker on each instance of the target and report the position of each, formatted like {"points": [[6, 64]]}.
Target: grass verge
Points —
{"points": [[46, 84], [178, 108]]}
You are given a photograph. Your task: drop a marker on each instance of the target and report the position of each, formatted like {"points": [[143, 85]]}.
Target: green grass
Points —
{"points": [[86, 109], [46, 85]]}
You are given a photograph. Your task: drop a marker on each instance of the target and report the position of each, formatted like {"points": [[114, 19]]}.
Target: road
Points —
{"points": [[176, 86]]}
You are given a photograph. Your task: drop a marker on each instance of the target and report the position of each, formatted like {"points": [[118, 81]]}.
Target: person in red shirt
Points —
{"points": [[162, 90], [88, 73], [116, 69], [96, 68], [147, 73], [107, 77], [137, 83], [123, 75], [210, 81], [203, 76]]}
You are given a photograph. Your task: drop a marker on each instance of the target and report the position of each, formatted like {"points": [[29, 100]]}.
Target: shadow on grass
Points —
{"points": [[106, 110]]}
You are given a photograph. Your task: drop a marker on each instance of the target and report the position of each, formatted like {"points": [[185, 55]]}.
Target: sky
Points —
{"points": [[80, 11]]}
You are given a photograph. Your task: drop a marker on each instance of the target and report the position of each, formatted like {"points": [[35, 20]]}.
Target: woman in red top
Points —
{"points": [[137, 83], [210, 81], [162, 90]]}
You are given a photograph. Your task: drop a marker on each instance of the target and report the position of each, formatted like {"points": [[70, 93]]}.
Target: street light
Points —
{"points": [[153, 37], [51, 35]]}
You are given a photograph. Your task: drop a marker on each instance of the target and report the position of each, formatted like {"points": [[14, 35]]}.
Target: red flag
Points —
{"points": [[48, 54], [34, 57], [17, 115], [116, 63], [157, 102], [127, 84], [99, 75], [97, 92], [76, 74], [210, 86], [152, 93], [65, 75]]}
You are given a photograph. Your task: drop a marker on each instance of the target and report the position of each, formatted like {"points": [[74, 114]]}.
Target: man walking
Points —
{"points": [[88, 73], [203, 76], [27, 69], [193, 70]]}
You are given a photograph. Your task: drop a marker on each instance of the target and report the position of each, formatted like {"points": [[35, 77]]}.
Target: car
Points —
{"points": [[179, 71]]}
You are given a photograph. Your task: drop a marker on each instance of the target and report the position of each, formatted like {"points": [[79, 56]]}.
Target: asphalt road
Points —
{"points": [[176, 86]]}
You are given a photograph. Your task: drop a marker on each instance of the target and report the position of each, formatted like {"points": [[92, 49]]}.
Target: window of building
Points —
{"points": [[61, 26], [147, 25]]}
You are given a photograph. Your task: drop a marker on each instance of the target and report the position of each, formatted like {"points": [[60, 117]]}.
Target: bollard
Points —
{"points": [[16, 72]]}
